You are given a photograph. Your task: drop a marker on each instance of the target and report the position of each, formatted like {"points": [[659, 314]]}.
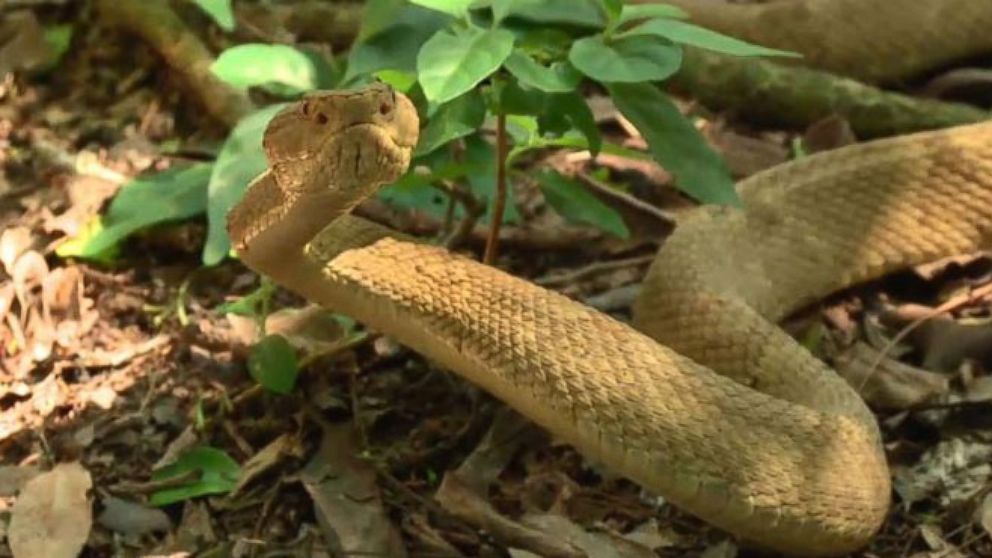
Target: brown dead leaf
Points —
{"points": [[13, 242], [12, 478], [933, 536], [931, 270], [52, 515], [745, 155], [48, 394], [87, 195], [195, 530], [984, 514], [892, 385], [103, 397], [953, 471], [723, 549], [346, 498], [131, 518], [978, 389], [286, 445], [22, 43], [28, 271], [651, 535], [311, 329], [594, 544], [464, 503], [828, 133], [507, 434]]}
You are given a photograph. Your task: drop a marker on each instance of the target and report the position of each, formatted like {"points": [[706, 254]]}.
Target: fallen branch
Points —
{"points": [[797, 97], [156, 24]]}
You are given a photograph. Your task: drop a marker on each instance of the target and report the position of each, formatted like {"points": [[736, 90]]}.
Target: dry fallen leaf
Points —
{"points": [[346, 498], [286, 445], [13, 478], [13, 242], [52, 516], [131, 518], [984, 513], [953, 471], [892, 384]]}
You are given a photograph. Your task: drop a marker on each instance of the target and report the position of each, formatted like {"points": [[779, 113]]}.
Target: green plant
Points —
{"points": [[199, 471], [465, 63]]}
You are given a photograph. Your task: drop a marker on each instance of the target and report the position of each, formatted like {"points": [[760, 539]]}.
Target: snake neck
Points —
{"points": [[270, 228]]}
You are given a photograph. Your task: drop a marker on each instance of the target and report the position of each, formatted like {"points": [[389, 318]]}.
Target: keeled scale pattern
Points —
{"points": [[808, 229], [873, 41]]}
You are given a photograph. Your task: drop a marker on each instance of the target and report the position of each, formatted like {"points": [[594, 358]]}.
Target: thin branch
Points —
{"points": [[594, 268], [499, 203], [159, 26], [623, 197]]}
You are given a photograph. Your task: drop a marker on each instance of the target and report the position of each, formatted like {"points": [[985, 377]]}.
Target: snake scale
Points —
{"points": [[705, 400]]}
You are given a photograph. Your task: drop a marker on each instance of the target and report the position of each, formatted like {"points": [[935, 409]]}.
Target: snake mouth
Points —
{"points": [[385, 139]]}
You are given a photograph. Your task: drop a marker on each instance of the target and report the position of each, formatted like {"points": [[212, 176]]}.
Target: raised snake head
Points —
{"points": [[343, 142]]}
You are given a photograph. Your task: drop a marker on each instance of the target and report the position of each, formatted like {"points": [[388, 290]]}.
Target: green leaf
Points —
{"points": [[574, 108], [693, 35], [252, 304], [175, 194], [611, 8], [455, 119], [632, 59], [560, 77], [449, 64], [556, 113], [220, 11], [414, 191], [511, 97], [675, 143], [241, 160], [477, 165], [573, 202], [633, 12], [457, 8], [400, 81], [282, 68], [392, 33], [584, 13], [379, 15], [58, 37], [548, 43], [218, 474], [272, 362], [503, 8], [480, 160]]}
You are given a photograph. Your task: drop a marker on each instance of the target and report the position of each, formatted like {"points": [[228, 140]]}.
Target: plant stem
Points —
{"points": [[499, 202]]}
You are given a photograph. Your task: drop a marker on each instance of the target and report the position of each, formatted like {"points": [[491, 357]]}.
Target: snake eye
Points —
{"points": [[322, 118], [385, 108], [305, 108]]}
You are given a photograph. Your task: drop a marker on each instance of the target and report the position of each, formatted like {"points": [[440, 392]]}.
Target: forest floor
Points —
{"points": [[124, 365]]}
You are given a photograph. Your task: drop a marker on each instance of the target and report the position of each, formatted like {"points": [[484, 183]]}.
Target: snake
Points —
{"points": [[872, 41], [702, 399]]}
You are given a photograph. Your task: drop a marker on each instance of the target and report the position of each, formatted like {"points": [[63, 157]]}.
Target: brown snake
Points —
{"points": [[718, 410]]}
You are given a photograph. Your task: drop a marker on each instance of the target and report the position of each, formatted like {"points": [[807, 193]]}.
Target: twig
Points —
{"points": [[473, 211], [627, 199], [531, 238], [499, 203], [594, 268], [347, 344], [158, 25], [950, 305]]}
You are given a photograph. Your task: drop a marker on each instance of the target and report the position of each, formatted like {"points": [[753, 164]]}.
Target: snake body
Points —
{"points": [[706, 402], [874, 41]]}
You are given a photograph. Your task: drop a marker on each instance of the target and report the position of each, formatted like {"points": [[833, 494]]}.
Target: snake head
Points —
{"points": [[342, 139]]}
